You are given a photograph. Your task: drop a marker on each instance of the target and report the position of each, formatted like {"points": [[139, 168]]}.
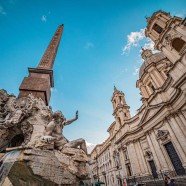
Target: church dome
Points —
{"points": [[149, 58]]}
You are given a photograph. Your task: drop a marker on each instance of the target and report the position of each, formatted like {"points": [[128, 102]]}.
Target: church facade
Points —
{"points": [[152, 143]]}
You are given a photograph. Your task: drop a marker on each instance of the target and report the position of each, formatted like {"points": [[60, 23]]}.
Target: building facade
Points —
{"points": [[153, 142]]}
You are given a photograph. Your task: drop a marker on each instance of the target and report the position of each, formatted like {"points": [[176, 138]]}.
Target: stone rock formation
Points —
{"points": [[46, 156]]}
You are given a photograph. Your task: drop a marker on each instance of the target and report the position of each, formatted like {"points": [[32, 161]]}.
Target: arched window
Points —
{"points": [[157, 28], [178, 44]]}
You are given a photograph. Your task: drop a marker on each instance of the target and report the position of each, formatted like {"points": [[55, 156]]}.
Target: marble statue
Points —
{"points": [[54, 132], [28, 125]]}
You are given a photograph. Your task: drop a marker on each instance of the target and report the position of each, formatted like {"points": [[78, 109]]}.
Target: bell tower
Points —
{"points": [[40, 79], [168, 34], [120, 108]]}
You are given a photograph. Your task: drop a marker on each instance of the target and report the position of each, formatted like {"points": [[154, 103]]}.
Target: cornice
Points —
{"points": [[141, 125], [120, 106], [128, 133], [181, 80], [143, 72]]}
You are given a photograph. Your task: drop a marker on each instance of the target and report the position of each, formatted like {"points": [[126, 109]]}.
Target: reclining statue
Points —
{"points": [[54, 133], [29, 126]]}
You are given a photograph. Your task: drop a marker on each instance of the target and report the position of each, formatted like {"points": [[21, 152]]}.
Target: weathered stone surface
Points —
{"points": [[77, 154], [47, 157]]}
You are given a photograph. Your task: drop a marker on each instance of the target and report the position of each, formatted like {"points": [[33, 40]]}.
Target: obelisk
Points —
{"points": [[40, 79]]}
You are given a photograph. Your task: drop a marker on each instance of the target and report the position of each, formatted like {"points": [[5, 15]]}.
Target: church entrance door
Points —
{"points": [[176, 162], [153, 169]]}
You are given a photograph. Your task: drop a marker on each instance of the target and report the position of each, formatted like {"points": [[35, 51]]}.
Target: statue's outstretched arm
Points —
{"points": [[68, 122]]}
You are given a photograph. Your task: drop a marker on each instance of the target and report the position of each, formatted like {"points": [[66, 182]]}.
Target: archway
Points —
{"points": [[16, 140], [178, 44]]}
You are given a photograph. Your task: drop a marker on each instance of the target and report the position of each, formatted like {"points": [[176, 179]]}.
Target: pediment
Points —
{"points": [[150, 111]]}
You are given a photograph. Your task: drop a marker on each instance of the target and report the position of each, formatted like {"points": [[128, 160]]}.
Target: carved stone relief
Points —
{"points": [[162, 134]]}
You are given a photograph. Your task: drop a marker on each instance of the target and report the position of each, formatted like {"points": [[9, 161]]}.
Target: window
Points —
{"points": [[178, 44], [129, 172], [157, 28], [151, 87]]}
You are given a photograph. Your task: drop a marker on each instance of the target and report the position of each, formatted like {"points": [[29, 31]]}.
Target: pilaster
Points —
{"points": [[176, 143]]}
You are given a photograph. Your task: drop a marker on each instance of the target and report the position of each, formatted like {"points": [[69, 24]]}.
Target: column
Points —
{"points": [[144, 91], [142, 159], [149, 90], [175, 142], [155, 157], [169, 55], [133, 159], [154, 80], [181, 138], [183, 119], [158, 76], [161, 23], [181, 124], [181, 31], [138, 158], [123, 163], [159, 152], [152, 37]]}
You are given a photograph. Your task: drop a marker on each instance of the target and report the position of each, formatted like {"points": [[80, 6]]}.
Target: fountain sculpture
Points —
{"points": [[34, 132]]}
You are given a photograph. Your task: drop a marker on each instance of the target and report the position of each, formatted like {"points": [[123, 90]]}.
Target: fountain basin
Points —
{"points": [[44, 167]]}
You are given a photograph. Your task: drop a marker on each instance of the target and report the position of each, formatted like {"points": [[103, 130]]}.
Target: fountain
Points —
{"points": [[39, 153], [6, 163]]}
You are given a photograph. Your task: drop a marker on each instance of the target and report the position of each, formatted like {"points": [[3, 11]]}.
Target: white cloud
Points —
{"points": [[90, 146], [133, 39], [149, 44], [2, 11], [136, 71], [43, 18], [89, 45]]}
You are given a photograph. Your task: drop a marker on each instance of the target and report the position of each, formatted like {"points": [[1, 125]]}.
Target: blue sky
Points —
{"points": [[90, 58]]}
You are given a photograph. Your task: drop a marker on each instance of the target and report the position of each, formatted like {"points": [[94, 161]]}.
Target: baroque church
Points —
{"points": [[152, 144]]}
